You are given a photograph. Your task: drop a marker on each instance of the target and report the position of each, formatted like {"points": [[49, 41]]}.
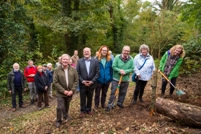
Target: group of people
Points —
{"points": [[96, 73], [39, 80]]}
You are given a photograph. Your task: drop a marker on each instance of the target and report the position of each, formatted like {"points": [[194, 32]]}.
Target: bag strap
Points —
{"points": [[142, 64]]}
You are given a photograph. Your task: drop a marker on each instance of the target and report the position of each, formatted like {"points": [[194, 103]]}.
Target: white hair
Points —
{"points": [[49, 64], [16, 64], [65, 55], [144, 46]]}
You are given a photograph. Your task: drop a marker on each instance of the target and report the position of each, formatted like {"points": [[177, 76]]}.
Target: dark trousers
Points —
{"points": [[86, 95], [104, 89], [19, 91], [164, 83], [122, 92], [63, 104], [45, 99], [139, 88]]}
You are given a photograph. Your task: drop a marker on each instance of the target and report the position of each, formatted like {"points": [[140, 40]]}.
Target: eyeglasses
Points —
{"points": [[104, 50]]}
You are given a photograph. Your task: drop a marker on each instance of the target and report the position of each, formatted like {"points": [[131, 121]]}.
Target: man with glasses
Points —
{"points": [[122, 65]]}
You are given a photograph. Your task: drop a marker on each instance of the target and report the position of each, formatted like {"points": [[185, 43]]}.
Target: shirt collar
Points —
{"points": [[148, 55], [88, 59], [63, 67], [123, 57]]}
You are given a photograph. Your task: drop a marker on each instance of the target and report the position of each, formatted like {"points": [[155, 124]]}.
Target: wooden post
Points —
{"points": [[153, 100]]}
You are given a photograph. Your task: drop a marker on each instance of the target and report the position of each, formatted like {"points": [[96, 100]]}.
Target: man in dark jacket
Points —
{"points": [[65, 80], [88, 72], [16, 82]]}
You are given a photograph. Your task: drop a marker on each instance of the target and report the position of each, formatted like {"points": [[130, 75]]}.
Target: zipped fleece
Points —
{"points": [[119, 64], [175, 71]]}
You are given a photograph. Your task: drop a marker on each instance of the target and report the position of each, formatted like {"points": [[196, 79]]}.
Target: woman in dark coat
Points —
{"points": [[42, 84]]}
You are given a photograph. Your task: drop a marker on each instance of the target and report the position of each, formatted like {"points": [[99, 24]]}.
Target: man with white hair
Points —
{"points": [[16, 82], [49, 68], [65, 81]]}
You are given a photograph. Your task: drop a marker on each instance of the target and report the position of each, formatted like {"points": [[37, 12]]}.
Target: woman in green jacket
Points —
{"points": [[169, 65]]}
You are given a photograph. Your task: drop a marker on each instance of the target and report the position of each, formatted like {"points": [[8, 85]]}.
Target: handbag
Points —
{"points": [[134, 76]]}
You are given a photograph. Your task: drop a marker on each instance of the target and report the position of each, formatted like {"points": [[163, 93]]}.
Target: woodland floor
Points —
{"points": [[133, 119]]}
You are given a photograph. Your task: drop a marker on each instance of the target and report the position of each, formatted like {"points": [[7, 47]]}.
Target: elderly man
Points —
{"points": [[29, 73], [16, 84], [122, 65], [65, 80], [88, 72]]}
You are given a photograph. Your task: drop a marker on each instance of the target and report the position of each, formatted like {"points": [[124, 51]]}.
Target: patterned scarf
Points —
{"points": [[171, 62]]}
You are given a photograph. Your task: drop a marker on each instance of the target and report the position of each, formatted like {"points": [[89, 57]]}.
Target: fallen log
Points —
{"points": [[185, 113]]}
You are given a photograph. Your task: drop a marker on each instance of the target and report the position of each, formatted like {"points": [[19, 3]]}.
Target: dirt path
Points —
{"points": [[6, 113]]}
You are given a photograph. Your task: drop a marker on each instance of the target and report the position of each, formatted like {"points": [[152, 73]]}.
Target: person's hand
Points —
{"points": [[66, 92], [159, 70], [46, 87], [25, 89], [122, 72], [70, 93], [10, 91], [89, 83], [31, 75], [138, 76], [85, 83]]}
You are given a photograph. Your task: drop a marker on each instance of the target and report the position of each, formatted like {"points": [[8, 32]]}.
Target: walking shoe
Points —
{"points": [[13, 109], [95, 108], [120, 105], [58, 124], [103, 106], [23, 106], [47, 106], [89, 112], [107, 109], [134, 102], [39, 108], [66, 119], [141, 100], [162, 96], [81, 114]]}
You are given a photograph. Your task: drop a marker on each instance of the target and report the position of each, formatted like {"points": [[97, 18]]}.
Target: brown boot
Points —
{"points": [[23, 106], [162, 96], [13, 109]]}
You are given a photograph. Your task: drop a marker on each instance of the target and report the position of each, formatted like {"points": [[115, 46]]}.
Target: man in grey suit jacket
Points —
{"points": [[88, 72]]}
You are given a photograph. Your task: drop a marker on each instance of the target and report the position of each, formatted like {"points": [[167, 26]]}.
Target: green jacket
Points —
{"points": [[118, 64], [59, 80], [175, 70], [10, 81]]}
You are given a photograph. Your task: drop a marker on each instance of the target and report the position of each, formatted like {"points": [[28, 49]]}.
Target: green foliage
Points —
{"points": [[192, 61]]}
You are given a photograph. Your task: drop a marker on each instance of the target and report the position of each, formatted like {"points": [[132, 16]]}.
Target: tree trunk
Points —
{"points": [[185, 113]]}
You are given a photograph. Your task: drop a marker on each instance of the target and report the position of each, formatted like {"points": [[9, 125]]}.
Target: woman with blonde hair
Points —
{"points": [[169, 65], [105, 77]]}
